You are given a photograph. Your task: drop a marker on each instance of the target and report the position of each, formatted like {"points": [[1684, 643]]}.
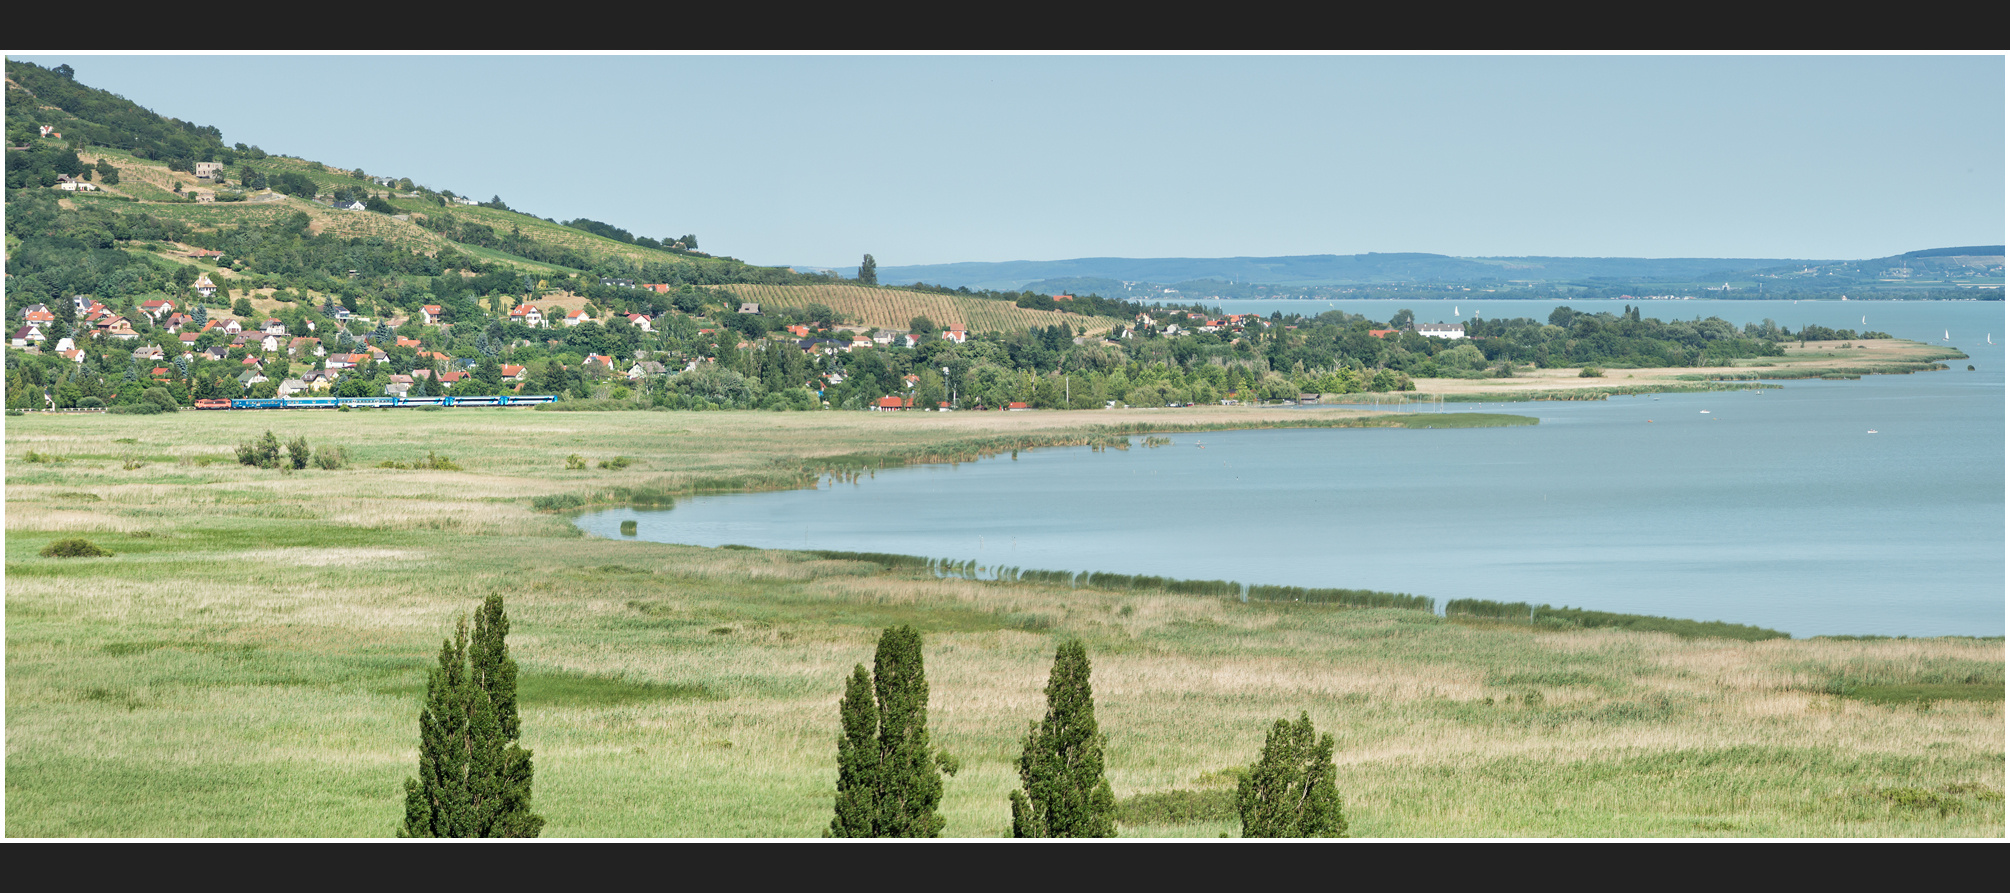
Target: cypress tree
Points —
{"points": [[1061, 768], [474, 779], [1292, 791], [858, 760], [912, 783], [889, 784]]}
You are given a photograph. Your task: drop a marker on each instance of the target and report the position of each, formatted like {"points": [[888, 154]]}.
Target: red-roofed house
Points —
{"points": [[117, 327], [429, 314], [529, 315]]}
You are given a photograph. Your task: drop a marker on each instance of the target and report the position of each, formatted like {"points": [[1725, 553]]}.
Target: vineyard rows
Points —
{"points": [[562, 236], [891, 308]]}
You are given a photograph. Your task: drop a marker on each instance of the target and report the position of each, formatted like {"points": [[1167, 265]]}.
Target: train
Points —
{"points": [[372, 402]]}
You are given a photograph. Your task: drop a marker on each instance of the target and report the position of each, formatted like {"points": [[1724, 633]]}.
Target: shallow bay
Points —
{"points": [[1776, 508]]}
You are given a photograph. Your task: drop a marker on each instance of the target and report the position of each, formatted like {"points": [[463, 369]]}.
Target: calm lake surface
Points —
{"points": [[1775, 508]]}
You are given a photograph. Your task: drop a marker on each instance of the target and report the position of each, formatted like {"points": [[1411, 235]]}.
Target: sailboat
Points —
{"points": [[1455, 309], [1943, 334]]}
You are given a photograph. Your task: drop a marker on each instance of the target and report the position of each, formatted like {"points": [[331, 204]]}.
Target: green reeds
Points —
{"points": [[1358, 598], [1575, 618]]}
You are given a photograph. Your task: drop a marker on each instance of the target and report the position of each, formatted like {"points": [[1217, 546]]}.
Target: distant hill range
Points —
{"points": [[1968, 266]]}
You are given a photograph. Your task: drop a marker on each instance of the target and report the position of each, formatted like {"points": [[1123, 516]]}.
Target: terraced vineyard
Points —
{"points": [[894, 308], [364, 224], [207, 215], [553, 234]]}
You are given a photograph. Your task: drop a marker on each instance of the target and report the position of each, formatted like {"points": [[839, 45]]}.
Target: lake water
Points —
{"points": [[1775, 508]]}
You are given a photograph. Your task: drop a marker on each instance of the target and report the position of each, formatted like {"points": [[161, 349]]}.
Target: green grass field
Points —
{"points": [[251, 659]]}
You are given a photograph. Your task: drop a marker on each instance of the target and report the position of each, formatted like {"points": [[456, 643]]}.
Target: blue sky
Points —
{"points": [[932, 159]]}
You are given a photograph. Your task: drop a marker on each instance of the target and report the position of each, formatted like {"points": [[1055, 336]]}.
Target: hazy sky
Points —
{"points": [[933, 159]]}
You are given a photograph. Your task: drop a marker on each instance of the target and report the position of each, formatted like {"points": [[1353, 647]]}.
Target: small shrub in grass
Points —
{"points": [[297, 452], [1591, 372], [74, 548], [615, 464], [437, 462], [330, 458], [260, 453], [575, 462], [557, 502]]}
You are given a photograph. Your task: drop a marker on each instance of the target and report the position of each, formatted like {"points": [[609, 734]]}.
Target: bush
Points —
{"points": [[617, 463], [90, 403], [262, 453], [574, 462], [436, 462], [1292, 790], [297, 452], [161, 398], [74, 548], [330, 458], [1591, 372]]}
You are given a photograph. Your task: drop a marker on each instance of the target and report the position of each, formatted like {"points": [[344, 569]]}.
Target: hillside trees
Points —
{"points": [[889, 784], [474, 780], [1292, 792], [1065, 793], [868, 271]]}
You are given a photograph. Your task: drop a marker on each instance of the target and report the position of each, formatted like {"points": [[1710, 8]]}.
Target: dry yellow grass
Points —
{"points": [[892, 308]]}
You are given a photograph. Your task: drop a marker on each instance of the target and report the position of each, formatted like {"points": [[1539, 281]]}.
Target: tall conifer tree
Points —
{"points": [[474, 780], [889, 783], [1065, 793], [858, 760]]}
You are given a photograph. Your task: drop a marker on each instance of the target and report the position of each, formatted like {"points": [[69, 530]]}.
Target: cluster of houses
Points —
{"points": [[1234, 325], [1178, 323], [271, 338]]}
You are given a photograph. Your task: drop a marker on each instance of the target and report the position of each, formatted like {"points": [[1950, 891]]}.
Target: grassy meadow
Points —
{"points": [[252, 659]]}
